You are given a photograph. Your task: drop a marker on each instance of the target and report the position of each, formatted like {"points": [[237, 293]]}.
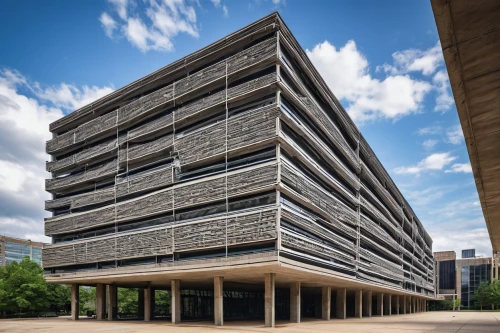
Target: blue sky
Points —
{"points": [[380, 58]]}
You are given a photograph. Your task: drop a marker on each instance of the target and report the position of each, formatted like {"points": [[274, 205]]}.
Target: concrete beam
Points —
{"points": [[113, 302], [380, 304], [295, 302], [326, 301], [75, 301], [341, 303], [358, 303], [175, 294], [218, 301], [387, 304], [367, 303], [100, 301], [269, 299]]}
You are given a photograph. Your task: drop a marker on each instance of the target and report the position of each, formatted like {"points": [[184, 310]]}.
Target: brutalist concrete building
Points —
{"points": [[234, 179]]}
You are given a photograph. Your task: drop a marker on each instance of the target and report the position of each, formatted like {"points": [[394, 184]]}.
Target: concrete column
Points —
{"points": [[113, 302], [218, 301], [425, 305], [409, 304], [453, 302], [75, 301], [148, 302], [175, 301], [100, 301], [395, 304], [358, 304], [405, 302], [367, 303], [295, 302], [387, 304], [341, 303], [269, 299], [326, 301], [380, 304], [140, 303]]}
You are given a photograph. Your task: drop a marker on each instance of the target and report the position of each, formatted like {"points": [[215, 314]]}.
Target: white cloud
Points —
{"points": [[70, 97], [218, 4], [455, 135], [154, 29], [108, 24], [24, 129], [460, 168], [435, 161], [414, 60], [444, 100], [430, 130], [346, 72], [430, 143]]}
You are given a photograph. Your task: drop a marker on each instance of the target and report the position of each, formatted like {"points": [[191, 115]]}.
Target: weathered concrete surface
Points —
{"points": [[470, 37], [462, 322]]}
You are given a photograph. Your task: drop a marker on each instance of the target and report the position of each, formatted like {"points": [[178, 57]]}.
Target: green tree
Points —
{"points": [[162, 302], [495, 292], [23, 287], [482, 295], [127, 301], [59, 297], [86, 300]]}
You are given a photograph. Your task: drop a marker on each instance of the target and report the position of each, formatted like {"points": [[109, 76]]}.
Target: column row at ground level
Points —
{"points": [[324, 302]]}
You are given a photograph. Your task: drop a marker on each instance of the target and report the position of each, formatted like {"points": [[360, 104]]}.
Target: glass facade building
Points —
{"points": [[472, 276], [14, 250]]}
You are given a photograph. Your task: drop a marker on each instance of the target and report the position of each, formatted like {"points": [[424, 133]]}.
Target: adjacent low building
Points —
{"points": [[459, 278], [15, 249], [234, 179]]}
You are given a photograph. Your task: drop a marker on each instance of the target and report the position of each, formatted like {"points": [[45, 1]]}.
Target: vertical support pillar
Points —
{"points": [[218, 301], [140, 303], [358, 303], [75, 301], [175, 294], [387, 304], [341, 303], [100, 299], [113, 302], [380, 304], [269, 299], [425, 305], [326, 301], [148, 301], [405, 302], [453, 302], [367, 303], [409, 304], [295, 302]]}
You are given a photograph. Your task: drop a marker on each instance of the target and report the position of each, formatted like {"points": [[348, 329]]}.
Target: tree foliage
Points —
{"points": [[482, 295], [23, 287]]}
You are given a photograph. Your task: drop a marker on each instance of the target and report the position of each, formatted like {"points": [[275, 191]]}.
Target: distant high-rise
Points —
{"points": [[469, 253], [232, 176]]}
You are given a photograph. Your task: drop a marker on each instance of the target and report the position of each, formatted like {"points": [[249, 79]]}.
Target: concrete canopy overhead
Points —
{"points": [[470, 38]]}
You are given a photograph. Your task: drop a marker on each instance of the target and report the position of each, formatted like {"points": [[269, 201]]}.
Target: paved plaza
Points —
{"points": [[470, 322]]}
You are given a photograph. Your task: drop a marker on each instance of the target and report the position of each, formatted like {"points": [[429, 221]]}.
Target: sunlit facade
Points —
{"points": [[15, 249]]}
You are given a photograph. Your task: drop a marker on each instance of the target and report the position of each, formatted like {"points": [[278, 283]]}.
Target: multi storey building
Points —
{"points": [[233, 176], [16, 249], [459, 278]]}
